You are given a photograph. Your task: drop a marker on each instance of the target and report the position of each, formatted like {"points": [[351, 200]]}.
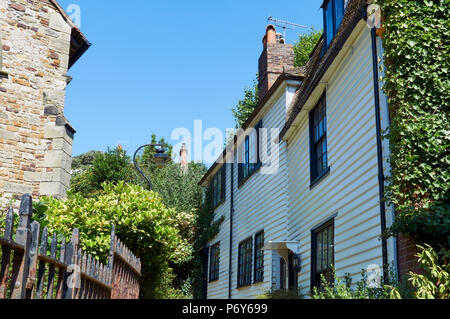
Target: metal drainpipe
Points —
{"points": [[231, 231], [381, 178]]}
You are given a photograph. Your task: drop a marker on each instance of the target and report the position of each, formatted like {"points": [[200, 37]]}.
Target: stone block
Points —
{"points": [[62, 144], [8, 135], [17, 188], [52, 189], [51, 131], [58, 23]]}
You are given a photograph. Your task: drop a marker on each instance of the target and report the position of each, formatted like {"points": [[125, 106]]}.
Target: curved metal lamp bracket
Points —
{"points": [[137, 166]]}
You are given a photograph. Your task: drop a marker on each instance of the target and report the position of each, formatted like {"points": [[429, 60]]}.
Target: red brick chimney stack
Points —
{"points": [[276, 58], [183, 158]]}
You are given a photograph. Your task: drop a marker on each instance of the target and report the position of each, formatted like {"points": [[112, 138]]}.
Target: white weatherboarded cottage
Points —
{"points": [[302, 192]]}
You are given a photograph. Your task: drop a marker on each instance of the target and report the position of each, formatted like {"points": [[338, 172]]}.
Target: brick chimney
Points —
{"points": [[276, 58], [183, 158]]}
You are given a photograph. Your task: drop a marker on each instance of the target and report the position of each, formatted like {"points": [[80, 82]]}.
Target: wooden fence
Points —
{"points": [[33, 266]]}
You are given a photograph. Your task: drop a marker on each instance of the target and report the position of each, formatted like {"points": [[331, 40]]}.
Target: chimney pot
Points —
{"points": [[183, 158], [271, 34]]}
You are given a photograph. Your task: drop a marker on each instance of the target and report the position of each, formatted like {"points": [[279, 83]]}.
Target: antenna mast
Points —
{"points": [[285, 25]]}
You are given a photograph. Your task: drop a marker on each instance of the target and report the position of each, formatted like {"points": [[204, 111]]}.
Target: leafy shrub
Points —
{"points": [[305, 45], [142, 221], [206, 227], [434, 283], [417, 85], [342, 289], [281, 294], [112, 166]]}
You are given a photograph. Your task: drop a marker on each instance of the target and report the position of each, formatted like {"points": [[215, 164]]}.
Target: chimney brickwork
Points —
{"points": [[277, 57], [184, 158]]}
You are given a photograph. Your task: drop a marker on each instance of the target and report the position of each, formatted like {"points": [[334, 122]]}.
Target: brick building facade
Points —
{"points": [[39, 43]]}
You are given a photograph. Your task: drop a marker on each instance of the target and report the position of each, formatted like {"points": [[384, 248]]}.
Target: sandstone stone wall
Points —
{"points": [[35, 138]]}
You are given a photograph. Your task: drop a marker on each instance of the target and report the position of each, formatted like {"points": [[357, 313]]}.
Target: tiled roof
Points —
{"points": [[318, 64]]}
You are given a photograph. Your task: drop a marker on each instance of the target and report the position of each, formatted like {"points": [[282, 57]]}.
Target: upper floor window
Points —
{"points": [[245, 263], [214, 262], [318, 136], [333, 12], [322, 254], [249, 161], [218, 187], [259, 257]]}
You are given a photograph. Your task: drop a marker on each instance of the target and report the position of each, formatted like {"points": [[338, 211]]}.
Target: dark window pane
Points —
{"points": [[329, 22], [245, 263], [339, 12], [324, 253]]}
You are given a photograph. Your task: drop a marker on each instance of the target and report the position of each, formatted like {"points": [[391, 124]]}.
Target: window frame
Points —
{"points": [[218, 192], [245, 263], [214, 262], [334, 23], [315, 274], [247, 169], [258, 271], [316, 174]]}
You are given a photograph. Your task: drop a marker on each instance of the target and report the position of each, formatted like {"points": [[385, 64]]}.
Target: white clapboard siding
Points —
{"points": [[351, 189], [219, 289], [260, 204]]}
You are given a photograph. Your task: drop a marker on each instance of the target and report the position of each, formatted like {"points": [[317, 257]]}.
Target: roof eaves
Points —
{"points": [[296, 75], [317, 68], [77, 35]]}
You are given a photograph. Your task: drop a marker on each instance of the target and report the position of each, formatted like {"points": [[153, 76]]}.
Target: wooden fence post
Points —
{"points": [[23, 237]]}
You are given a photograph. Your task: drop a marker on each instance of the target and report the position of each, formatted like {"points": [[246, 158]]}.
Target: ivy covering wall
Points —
{"points": [[417, 83]]}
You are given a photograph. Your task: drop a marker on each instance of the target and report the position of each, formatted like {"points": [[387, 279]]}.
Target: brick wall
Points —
{"points": [[276, 58], [406, 251], [35, 138]]}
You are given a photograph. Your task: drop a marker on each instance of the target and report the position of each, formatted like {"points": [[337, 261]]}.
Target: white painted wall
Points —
{"points": [[351, 189]]}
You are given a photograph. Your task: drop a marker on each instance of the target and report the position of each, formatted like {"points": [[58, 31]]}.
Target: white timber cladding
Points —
{"points": [[285, 206], [260, 204], [351, 189]]}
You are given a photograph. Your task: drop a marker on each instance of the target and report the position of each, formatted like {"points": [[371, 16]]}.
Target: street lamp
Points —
{"points": [[160, 159]]}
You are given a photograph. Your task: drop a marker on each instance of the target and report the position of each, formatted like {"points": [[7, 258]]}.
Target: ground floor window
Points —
{"points": [[214, 262], [259, 257], [245, 263], [322, 253]]}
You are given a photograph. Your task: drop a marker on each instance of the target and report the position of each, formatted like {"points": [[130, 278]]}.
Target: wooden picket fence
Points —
{"points": [[30, 269]]}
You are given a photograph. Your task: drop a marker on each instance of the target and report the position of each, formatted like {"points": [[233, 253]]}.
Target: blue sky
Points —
{"points": [[158, 65]]}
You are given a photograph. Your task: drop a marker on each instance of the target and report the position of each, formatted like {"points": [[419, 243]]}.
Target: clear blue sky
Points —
{"points": [[158, 65]]}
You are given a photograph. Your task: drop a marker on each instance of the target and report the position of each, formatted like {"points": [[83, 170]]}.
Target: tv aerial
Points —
{"points": [[285, 25]]}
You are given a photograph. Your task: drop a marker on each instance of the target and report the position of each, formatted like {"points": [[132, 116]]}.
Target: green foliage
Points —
{"points": [[417, 83], [246, 105], [302, 50], [343, 288], [143, 223], [281, 294], [179, 190], [305, 45], [434, 282], [84, 161], [112, 166], [206, 227], [145, 160]]}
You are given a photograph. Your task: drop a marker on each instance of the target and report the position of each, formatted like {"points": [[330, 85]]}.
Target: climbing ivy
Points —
{"points": [[206, 227], [417, 83]]}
